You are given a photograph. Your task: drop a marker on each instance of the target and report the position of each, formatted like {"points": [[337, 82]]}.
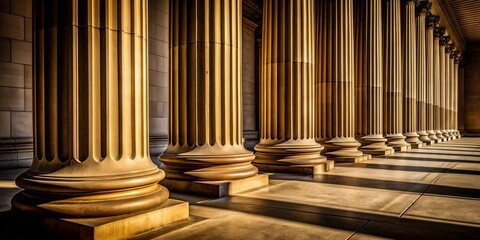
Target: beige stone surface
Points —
{"points": [[21, 52], [4, 50], [12, 26], [12, 98], [11, 75], [22, 124], [21, 7], [5, 130]]}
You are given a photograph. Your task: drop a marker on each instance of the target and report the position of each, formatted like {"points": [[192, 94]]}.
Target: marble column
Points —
{"points": [[392, 76], [335, 81], [422, 9], [447, 93], [91, 147], [287, 141], [458, 58], [432, 21], [437, 71], [410, 115], [451, 90], [205, 122], [443, 42], [368, 77]]}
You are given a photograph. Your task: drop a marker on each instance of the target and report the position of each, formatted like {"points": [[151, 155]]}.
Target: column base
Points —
{"points": [[312, 170], [116, 227], [378, 152], [402, 148], [429, 142], [355, 159], [418, 145], [216, 188]]}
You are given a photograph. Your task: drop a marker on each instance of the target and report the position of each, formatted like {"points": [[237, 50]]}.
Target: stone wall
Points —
{"points": [[158, 75], [249, 84], [472, 91], [15, 83]]}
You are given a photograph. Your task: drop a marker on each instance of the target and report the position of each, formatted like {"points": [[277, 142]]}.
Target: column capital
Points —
{"points": [[410, 1], [458, 57], [439, 31], [423, 7], [444, 40], [453, 53], [432, 21], [449, 47]]}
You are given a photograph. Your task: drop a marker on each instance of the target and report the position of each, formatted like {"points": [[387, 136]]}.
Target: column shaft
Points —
{"points": [[288, 119], [447, 93], [452, 92], [392, 76], [368, 79], [456, 66], [422, 10], [443, 41], [91, 112], [410, 115], [432, 21], [335, 81], [205, 122], [437, 71]]}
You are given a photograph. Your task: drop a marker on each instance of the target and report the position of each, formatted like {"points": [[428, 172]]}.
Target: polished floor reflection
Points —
{"points": [[429, 193]]}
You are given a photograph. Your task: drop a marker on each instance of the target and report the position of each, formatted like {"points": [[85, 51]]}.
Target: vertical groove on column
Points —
{"points": [[205, 124], [432, 21], [91, 154], [451, 89], [458, 58], [288, 120], [335, 79], [410, 74], [392, 76], [369, 82], [422, 10]]}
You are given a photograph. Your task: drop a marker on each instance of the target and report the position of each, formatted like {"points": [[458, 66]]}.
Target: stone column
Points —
{"points": [[205, 122], [458, 57], [432, 21], [91, 147], [422, 9], [287, 141], [447, 93], [392, 76], [368, 80], [451, 90], [335, 81], [410, 115], [437, 71], [443, 42]]}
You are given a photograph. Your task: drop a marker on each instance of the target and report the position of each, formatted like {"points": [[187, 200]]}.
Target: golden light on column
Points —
{"points": [[451, 90], [287, 141], [410, 115], [447, 76], [431, 84], [458, 58], [368, 77], [205, 121], [91, 146], [422, 10], [440, 80], [335, 81], [392, 76]]}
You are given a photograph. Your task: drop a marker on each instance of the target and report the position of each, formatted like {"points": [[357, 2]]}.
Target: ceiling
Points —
{"points": [[467, 15]]}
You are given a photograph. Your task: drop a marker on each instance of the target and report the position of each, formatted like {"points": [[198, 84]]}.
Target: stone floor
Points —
{"points": [[429, 193]]}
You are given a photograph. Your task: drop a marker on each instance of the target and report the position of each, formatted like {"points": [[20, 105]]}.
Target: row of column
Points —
{"points": [[330, 86]]}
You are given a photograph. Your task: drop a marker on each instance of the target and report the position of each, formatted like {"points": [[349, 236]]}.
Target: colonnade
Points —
{"points": [[340, 81]]}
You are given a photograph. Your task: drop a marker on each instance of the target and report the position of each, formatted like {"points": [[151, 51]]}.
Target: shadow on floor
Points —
{"points": [[409, 168]]}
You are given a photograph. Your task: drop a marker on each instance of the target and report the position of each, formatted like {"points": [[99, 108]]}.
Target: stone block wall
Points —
{"points": [[472, 91], [158, 75], [16, 128]]}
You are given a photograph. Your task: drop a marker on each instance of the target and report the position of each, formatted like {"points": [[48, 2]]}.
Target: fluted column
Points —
{"points": [[288, 121], [205, 122], [458, 58], [91, 146], [392, 76], [437, 70], [443, 42], [447, 93], [368, 79], [451, 90], [335, 81], [422, 9], [410, 116], [431, 84]]}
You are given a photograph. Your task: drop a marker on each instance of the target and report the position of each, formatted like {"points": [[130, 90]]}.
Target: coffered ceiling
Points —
{"points": [[467, 15]]}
